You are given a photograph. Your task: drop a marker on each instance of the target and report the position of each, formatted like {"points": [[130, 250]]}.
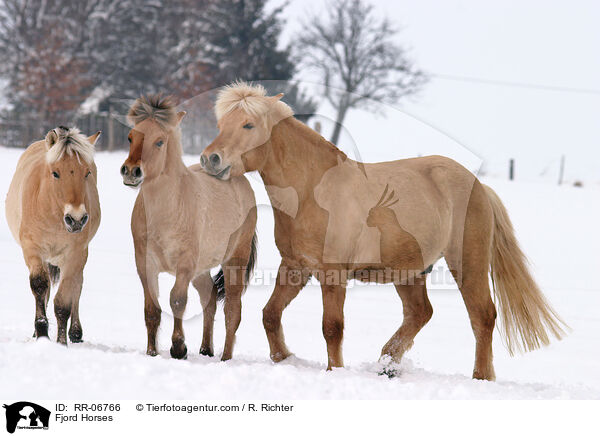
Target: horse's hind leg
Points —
{"points": [[208, 298], [178, 302], [417, 312], [39, 282], [482, 314], [470, 265], [234, 271]]}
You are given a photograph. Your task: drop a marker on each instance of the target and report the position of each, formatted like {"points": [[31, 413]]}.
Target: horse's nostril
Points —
{"points": [[215, 160], [136, 172], [84, 219], [69, 220], [124, 170], [203, 160]]}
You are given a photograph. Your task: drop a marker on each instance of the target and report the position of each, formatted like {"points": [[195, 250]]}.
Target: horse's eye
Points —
{"points": [[129, 139], [88, 173], [159, 143], [56, 175], [248, 126]]}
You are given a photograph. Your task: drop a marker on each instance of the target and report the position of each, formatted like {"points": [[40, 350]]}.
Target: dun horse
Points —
{"points": [[338, 219], [53, 212], [185, 222]]}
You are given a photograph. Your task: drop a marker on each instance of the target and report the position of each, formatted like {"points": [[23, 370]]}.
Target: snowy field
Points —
{"points": [[558, 229]]}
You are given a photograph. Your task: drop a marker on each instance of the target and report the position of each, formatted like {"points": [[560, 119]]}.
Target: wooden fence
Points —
{"points": [[20, 131]]}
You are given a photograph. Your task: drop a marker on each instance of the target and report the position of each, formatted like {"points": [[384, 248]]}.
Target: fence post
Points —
{"points": [[561, 173], [318, 127], [111, 129], [511, 169]]}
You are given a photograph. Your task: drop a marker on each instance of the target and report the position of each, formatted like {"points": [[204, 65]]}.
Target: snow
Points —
{"points": [[557, 227]]}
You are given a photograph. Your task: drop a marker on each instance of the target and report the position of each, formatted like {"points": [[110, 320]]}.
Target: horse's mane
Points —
{"points": [[155, 107], [252, 99], [70, 141]]}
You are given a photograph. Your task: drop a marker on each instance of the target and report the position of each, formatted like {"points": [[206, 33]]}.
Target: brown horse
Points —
{"points": [[332, 226], [53, 212], [185, 223]]}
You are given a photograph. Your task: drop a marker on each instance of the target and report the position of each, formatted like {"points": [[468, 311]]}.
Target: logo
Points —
{"points": [[26, 415]]}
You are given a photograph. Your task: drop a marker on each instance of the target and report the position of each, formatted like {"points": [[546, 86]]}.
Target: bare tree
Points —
{"points": [[358, 58]]}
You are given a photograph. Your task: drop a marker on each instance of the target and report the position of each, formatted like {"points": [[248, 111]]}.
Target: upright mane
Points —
{"points": [[155, 107], [70, 141], [252, 99]]}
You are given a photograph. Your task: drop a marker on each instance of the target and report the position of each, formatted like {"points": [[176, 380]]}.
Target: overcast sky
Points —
{"points": [[548, 43]]}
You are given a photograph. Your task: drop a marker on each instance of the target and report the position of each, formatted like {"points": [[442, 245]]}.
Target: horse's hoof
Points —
{"points": [[389, 367], [76, 335], [389, 372], [484, 375], [41, 328], [152, 353], [179, 351], [279, 356], [225, 357], [206, 352]]}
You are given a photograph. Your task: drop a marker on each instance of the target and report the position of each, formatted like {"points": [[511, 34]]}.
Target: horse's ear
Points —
{"points": [[275, 98], [92, 139], [180, 116], [51, 138]]}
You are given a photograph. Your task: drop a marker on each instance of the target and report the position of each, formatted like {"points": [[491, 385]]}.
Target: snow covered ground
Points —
{"points": [[558, 229]]}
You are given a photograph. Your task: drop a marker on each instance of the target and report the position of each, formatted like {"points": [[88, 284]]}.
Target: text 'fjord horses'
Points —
{"points": [[386, 222], [185, 222], [53, 212]]}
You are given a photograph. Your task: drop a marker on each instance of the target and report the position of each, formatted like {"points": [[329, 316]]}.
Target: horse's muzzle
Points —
{"points": [[132, 177], [73, 225], [214, 166]]}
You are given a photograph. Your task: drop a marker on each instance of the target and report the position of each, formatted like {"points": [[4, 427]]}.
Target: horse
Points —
{"points": [[337, 219], [53, 212], [185, 222]]}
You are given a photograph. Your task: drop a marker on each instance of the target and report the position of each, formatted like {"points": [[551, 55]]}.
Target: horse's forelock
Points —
{"points": [[72, 142], [155, 107], [252, 99]]}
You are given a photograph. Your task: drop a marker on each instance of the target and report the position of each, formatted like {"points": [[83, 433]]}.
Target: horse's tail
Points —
{"points": [[219, 279], [527, 317], [54, 273]]}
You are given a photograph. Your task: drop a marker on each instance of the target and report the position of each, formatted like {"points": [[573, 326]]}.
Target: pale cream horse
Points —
{"points": [[53, 212], [185, 222], [388, 222]]}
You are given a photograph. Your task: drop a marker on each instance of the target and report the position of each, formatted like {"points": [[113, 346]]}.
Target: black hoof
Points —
{"points": [[179, 351], [389, 372], [206, 352], [76, 334], [152, 353], [41, 328]]}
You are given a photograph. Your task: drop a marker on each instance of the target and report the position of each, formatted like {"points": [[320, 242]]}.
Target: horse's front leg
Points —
{"points": [[333, 322], [148, 272], [69, 288], [75, 330], [40, 287], [290, 281], [178, 302]]}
